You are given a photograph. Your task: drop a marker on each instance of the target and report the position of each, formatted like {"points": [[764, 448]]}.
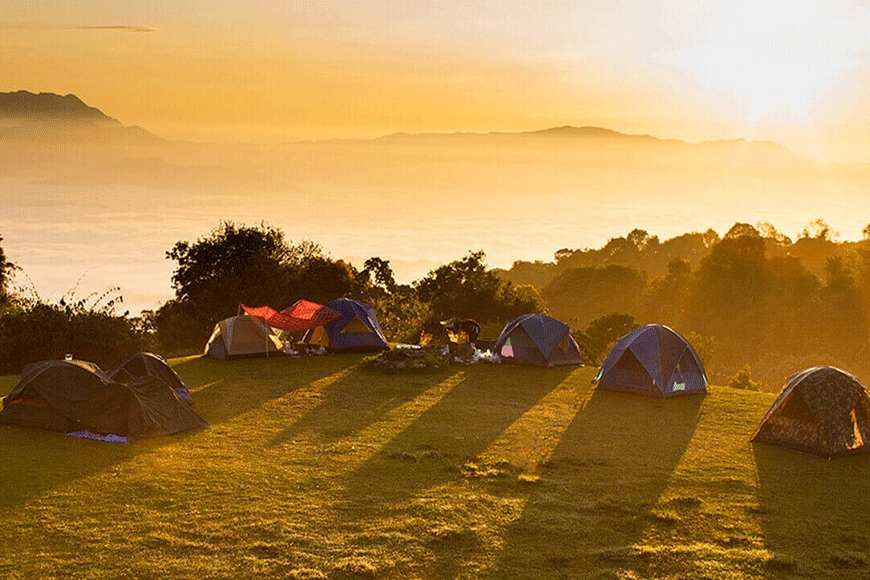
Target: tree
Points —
{"points": [[6, 269], [601, 333], [379, 273], [818, 229], [466, 289], [582, 294], [237, 264]]}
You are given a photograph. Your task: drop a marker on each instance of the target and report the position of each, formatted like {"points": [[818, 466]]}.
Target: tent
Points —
{"points": [[303, 315], [355, 330], [146, 364], [241, 336], [820, 410], [537, 339], [71, 395], [653, 360]]}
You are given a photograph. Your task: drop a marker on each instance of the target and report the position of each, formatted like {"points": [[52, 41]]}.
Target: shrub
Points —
{"points": [[743, 380], [34, 330]]}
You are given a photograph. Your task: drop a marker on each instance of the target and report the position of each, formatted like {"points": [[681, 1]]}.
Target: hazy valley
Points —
{"points": [[84, 197]]}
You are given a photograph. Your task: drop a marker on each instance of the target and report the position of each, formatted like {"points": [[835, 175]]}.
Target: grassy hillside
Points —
{"points": [[318, 468]]}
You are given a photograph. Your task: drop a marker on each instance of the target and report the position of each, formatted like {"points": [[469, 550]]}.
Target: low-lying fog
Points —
{"points": [[103, 214]]}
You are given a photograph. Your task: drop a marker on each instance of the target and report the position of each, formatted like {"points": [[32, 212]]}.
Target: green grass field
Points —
{"points": [[320, 468]]}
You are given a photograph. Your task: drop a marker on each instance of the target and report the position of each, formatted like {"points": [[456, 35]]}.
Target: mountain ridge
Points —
{"points": [[28, 116], [51, 106], [43, 109]]}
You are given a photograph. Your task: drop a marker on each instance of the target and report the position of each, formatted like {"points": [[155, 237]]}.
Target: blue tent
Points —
{"points": [[653, 360], [537, 339], [356, 330]]}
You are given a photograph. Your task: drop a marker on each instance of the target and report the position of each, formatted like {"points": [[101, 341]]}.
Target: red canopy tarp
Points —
{"points": [[301, 316]]}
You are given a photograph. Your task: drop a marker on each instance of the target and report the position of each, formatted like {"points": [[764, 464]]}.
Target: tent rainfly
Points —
{"points": [[71, 395], [146, 364], [820, 410], [537, 339], [653, 360], [355, 330], [241, 336], [303, 315]]}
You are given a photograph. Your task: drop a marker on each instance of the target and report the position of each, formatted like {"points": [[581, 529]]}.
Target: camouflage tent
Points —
{"points": [[820, 410]]}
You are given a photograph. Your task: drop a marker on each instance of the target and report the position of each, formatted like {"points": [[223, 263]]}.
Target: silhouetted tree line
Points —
{"points": [[752, 297], [253, 265], [256, 265], [6, 269]]}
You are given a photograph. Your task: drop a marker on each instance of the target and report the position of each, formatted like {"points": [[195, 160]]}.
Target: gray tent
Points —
{"points": [[146, 364], [69, 396]]}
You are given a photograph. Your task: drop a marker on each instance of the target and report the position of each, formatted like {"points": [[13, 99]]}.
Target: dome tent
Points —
{"points": [[537, 339], [355, 330], [241, 336], [653, 360], [146, 364], [820, 410], [72, 395]]}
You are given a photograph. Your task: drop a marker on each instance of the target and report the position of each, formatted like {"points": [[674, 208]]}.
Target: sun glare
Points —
{"points": [[770, 62]]}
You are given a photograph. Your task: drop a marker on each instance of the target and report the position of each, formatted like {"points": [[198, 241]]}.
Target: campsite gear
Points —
{"points": [[453, 330], [537, 339], [355, 330], [146, 364], [820, 410], [303, 315], [69, 396], [240, 337], [653, 360]]}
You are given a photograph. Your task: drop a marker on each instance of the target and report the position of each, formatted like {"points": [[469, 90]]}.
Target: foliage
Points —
{"points": [[237, 264], [764, 297], [743, 380], [467, 289], [600, 335], [579, 295], [89, 329], [6, 269]]}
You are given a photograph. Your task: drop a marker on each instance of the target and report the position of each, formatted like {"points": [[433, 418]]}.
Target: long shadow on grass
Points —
{"points": [[34, 462], [223, 390], [432, 451], [596, 494], [814, 513], [350, 405]]}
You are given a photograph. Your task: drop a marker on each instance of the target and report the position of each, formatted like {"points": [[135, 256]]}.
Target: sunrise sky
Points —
{"points": [[267, 71]]}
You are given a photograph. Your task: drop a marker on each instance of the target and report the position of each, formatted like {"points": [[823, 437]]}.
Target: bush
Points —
{"points": [[743, 380], [600, 335], [35, 331]]}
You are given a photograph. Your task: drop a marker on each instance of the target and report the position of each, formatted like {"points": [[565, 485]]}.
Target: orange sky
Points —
{"points": [[276, 71]]}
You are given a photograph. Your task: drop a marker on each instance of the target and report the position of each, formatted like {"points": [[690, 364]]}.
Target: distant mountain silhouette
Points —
{"points": [[49, 116], [569, 134], [50, 106]]}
